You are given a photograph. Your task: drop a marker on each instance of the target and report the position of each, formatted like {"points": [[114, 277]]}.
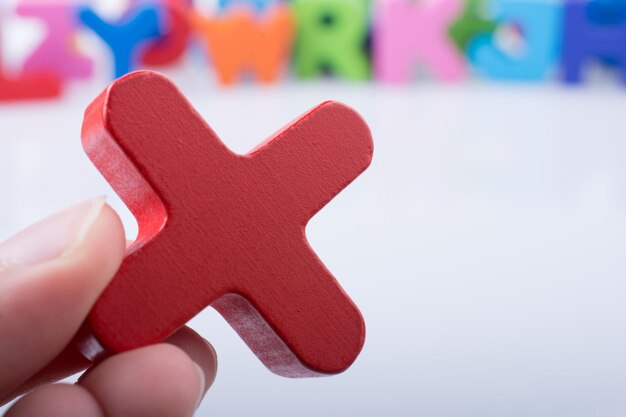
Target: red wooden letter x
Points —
{"points": [[227, 230]]}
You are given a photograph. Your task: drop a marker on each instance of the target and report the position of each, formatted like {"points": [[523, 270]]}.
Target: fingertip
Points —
{"points": [[156, 380], [200, 350], [57, 400], [97, 257], [47, 294], [111, 232], [202, 385]]}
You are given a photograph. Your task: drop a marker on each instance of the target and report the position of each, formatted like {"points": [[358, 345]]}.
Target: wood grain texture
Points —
{"points": [[223, 229]]}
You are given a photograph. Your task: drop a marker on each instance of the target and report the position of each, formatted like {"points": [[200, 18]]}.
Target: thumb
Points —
{"points": [[50, 276]]}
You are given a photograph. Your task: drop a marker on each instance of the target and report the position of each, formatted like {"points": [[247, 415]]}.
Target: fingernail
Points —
{"points": [[54, 237], [202, 384], [213, 371]]}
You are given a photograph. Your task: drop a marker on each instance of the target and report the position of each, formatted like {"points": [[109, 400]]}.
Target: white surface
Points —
{"points": [[486, 245]]}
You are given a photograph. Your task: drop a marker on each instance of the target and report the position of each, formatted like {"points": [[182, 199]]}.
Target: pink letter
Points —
{"points": [[409, 32], [55, 53]]}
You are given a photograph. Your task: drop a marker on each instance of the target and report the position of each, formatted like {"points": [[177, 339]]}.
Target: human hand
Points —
{"points": [[50, 276]]}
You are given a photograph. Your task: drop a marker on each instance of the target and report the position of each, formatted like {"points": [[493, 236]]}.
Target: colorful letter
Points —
{"points": [[55, 54], [583, 39], [258, 5], [28, 86], [408, 32], [126, 36], [175, 31], [541, 25], [471, 24], [606, 11], [332, 36], [240, 41]]}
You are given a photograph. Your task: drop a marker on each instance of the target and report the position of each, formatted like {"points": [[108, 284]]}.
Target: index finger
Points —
{"points": [[50, 276]]}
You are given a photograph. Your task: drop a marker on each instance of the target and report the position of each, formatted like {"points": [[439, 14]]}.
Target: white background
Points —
{"points": [[486, 245]]}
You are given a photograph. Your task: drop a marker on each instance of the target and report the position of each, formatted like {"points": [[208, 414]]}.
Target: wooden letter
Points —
{"points": [[222, 229]]}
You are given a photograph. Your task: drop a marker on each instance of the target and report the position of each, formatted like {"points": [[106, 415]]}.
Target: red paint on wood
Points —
{"points": [[227, 230], [26, 87]]}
